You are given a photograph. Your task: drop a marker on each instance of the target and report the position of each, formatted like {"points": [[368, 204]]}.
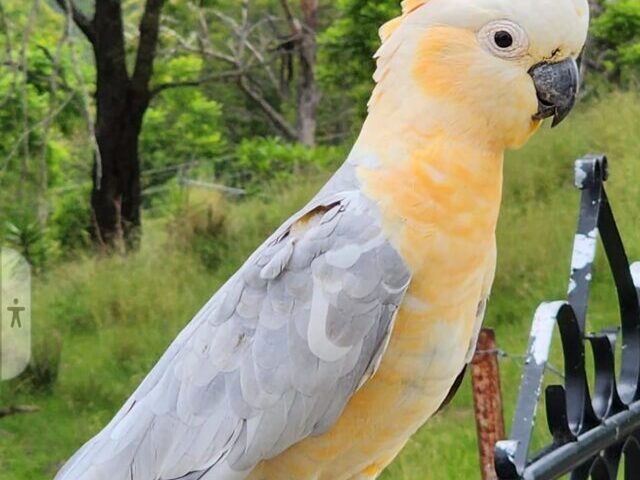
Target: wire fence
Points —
{"points": [[180, 171], [520, 359], [487, 395]]}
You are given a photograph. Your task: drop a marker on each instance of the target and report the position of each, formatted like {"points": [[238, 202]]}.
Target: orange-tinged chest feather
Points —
{"points": [[440, 206], [441, 217]]}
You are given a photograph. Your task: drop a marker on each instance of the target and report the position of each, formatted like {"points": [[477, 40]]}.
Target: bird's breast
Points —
{"points": [[440, 217]]}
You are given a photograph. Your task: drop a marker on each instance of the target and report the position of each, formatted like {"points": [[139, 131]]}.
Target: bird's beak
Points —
{"points": [[557, 86]]}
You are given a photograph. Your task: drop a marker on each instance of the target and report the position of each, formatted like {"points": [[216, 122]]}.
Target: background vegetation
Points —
{"points": [[102, 319]]}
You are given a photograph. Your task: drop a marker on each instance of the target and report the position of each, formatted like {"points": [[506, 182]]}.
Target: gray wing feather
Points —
{"points": [[272, 358]]}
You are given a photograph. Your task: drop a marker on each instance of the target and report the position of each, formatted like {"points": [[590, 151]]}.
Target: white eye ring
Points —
{"points": [[504, 39]]}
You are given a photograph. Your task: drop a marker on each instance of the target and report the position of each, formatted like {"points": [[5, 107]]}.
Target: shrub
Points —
{"points": [[198, 223], [70, 221], [263, 160], [43, 369], [28, 236], [173, 134], [617, 30], [72, 308]]}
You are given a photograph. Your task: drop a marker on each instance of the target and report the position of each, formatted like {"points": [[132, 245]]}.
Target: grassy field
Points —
{"points": [[113, 317]]}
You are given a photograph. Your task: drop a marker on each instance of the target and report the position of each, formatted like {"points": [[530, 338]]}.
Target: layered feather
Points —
{"points": [[272, 359]]}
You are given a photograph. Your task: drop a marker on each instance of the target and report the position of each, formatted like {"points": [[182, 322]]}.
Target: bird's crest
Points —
{"points": [[408, 6], [390, 46]]}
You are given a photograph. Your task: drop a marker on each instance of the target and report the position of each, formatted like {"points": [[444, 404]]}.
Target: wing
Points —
{"points": [[272, 358]]}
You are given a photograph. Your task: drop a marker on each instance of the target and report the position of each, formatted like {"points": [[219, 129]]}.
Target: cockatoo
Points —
{"points": [[345, 331]]}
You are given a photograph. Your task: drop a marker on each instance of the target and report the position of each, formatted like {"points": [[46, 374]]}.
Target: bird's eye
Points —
{"points": [[504, 39]]}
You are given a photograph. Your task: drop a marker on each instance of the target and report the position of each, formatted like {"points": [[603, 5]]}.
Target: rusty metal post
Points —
{"points": [[487, 401]]}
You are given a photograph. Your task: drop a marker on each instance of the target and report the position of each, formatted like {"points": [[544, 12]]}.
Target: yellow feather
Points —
{"points": [[388, 28], [408, 6]]}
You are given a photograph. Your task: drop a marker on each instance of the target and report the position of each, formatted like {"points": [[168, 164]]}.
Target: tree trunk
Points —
{"points": [[115, 197], [121, 101], [308, 95]]}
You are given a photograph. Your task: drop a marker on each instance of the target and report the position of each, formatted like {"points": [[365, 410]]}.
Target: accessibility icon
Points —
{"points": [[15, 314], [15, 310]]}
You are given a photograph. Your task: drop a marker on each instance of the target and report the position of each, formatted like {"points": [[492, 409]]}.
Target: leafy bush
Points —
{"points": [[26, 235], [43, 369], [198, 224], [70, 221], [184, 127], [617, 30], [346, 63], [263, 160], [73, 309]]}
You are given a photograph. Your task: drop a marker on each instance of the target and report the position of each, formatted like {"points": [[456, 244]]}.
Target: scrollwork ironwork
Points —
{"points": [[592, 426]]}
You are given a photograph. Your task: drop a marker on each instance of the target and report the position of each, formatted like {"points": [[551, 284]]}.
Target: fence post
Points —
{"points": [[487, 401]]}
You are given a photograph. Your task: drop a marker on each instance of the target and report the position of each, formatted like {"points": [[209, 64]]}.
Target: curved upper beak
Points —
{"points": [[557, 86]]}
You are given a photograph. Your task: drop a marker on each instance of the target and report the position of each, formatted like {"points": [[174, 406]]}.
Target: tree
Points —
{"points": [[262, 52], [38, 107], [616, 32], [348, 45], [303, 37], [122, 98]]}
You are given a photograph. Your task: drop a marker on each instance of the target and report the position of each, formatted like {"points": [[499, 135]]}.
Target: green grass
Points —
{"points": [[113, 317]]}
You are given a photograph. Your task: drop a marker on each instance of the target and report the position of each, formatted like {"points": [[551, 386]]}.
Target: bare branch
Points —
{"points": [[243, 30], [276, 117], [85, 25], [6, 28], [247, 50], [25, 134], [229, 21], [206, 46], [310, 13], [265, 63], [85, 98], [54, 84], [288, 12], [196, 82], [24, 62], [17, 409]]}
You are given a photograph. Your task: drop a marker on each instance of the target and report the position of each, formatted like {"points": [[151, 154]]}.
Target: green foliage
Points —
{"points": [[350, 42], [262, 160], [117, 315], [182, 125], [70, 221], [347, 47], [198, 223], [101, 323], [617, 29], [28, 237], [44, 141], [42, 372], [40, 119]]}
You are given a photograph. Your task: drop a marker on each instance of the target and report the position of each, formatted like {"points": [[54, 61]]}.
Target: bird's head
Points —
{"points": [[495, 68]]}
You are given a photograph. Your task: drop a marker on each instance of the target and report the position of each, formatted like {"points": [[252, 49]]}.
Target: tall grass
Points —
{"points": [[110, 318]]}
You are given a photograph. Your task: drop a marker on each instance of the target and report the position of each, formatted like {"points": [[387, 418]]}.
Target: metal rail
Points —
{"points": [[591, 426]]}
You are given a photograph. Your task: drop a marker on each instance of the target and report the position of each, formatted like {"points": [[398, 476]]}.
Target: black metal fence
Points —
{"points": [[593, 427]]}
